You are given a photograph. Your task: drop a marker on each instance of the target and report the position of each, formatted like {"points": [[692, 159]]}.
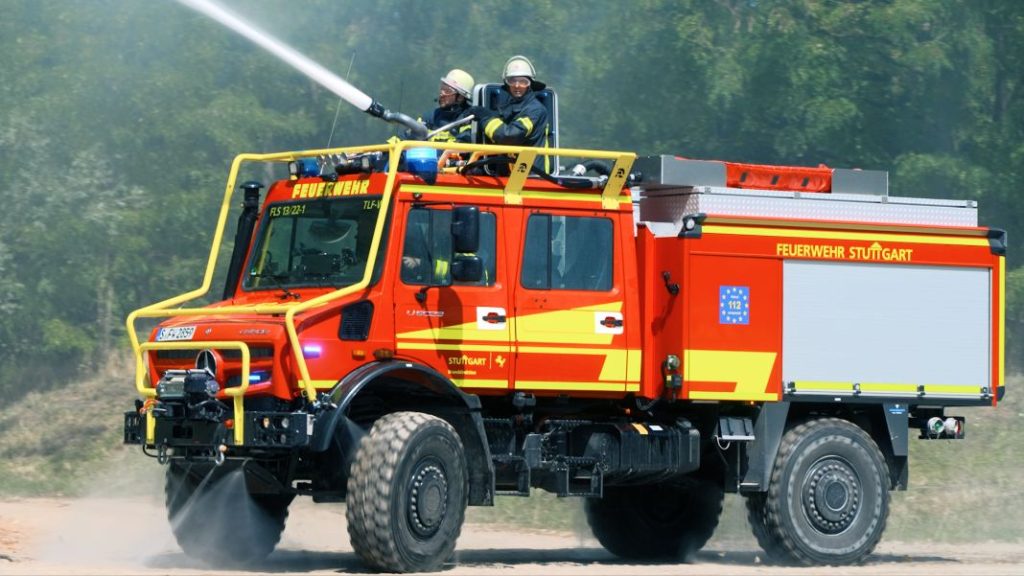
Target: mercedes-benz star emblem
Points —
{"points": [[206, 360]]}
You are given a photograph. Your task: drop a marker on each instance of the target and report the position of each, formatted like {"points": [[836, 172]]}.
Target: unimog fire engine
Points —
{"points": [[412, 338]]}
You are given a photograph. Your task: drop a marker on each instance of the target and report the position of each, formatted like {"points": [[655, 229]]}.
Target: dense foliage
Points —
{"points": [[118, 118]]}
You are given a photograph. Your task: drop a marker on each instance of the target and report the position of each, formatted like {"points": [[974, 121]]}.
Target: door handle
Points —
{"points": [[493, 318], [611, 322]]}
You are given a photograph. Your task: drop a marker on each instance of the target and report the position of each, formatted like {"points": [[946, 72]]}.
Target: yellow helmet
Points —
{"points": [[460, 81], [518, 66]]}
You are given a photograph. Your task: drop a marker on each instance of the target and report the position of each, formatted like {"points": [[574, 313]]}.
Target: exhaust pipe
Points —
{"points": [[311, 69]]}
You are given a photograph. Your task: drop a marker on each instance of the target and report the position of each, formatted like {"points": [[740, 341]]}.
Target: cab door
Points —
{"points": [[461, 329], [572, 324]]}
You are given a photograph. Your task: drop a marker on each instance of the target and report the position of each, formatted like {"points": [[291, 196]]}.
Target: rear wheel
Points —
{"points": [[407, 493], [756, 516], [669, 521], [828, 498], [215, 520]]}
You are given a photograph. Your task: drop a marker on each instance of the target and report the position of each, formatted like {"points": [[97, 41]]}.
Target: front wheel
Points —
{"points": [[828, 498], [407, 493], [665, 521]]}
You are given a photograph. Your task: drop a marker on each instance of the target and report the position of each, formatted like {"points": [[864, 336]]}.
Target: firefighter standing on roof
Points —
{"points": [[453, 104], [521, 119]]}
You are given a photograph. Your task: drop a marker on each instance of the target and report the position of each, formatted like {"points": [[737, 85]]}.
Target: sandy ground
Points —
{"points": [[131, 536]]}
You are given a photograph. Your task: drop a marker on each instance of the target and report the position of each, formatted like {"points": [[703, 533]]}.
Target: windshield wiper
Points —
{"points": [[277, 282]]}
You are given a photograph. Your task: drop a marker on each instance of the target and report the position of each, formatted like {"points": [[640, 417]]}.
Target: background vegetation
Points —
{"points": [[118, 119]]}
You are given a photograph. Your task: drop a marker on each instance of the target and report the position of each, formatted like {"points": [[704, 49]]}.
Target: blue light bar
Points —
{"points": [[304, 168], [422, 162]]}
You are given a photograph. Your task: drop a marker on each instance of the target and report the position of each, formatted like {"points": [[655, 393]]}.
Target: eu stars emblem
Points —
{"points": [[734, 305]]}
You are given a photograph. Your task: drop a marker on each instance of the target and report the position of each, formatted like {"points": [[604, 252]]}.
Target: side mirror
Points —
{"points": [[467, 268], [465, 229]]}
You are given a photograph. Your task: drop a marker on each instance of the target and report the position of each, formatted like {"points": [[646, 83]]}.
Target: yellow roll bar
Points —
{"points": [[167, 308]]}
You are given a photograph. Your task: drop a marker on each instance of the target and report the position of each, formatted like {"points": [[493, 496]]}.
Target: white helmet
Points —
{"points": [[460, 81], [518, 66]]}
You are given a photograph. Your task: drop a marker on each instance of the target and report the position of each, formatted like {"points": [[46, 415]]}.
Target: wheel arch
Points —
{"points": [[380, 388], [886, 423]]}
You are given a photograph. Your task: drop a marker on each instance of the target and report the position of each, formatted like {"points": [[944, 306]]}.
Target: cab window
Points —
{"points": [[567, 253], [427, 248]]}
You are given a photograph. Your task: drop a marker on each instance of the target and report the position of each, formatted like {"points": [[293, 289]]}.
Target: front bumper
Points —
{"points": [[262, 429]]}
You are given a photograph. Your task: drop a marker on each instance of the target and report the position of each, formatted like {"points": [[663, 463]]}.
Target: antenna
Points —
{"points": [[340, 100]]}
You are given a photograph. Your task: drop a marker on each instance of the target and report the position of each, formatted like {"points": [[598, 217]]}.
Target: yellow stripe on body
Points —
{"points": [[481, 383], [633, 360], [458, 333], [751, 371], [827, 235], [577, 386], [426, 345], [939, 389], [823, 385], [575, 326], [830, 386], [543, 327], [619, 364], [492, 193], [614, 367], [868, 387]]}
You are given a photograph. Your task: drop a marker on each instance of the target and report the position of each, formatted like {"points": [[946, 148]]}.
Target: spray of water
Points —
{"points": [[286, 53], [219, 522], [314, 71]]}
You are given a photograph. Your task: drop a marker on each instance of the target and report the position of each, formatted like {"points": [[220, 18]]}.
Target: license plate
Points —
{"points": [[176, 333]]}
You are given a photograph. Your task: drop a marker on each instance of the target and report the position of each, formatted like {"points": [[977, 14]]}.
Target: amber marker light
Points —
{"points": [[359, 354], [383, 354]]}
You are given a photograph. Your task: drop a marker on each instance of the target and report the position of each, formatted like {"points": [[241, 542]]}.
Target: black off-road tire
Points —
{"points": [[407, 493], [213, 527], [828, 498], [756, 516], [665, 521]]}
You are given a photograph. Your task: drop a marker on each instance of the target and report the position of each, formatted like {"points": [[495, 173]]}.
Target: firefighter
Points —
{"points": [[453, 104], [521, 119]]}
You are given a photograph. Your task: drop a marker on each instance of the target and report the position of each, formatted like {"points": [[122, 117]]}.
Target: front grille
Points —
{"points": [[228, 354]]}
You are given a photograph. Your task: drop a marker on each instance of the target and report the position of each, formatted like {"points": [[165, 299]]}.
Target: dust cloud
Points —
{"points": [[101, 528]]}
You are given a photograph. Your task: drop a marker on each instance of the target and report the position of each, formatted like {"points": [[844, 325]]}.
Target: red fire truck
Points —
{"points": [[649, 335]]}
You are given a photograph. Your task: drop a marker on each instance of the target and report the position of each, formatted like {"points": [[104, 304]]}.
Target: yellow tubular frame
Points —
{"points": [[167, 308]]}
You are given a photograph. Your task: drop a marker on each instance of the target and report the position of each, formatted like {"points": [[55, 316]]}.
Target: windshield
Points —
{"points": [[320, 242]]}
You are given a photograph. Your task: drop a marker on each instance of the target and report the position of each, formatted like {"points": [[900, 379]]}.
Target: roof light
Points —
{"points": [[303, 168], [422, 162]]}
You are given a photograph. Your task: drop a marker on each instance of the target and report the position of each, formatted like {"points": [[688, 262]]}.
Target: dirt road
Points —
{"points": [[131, 536]]}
